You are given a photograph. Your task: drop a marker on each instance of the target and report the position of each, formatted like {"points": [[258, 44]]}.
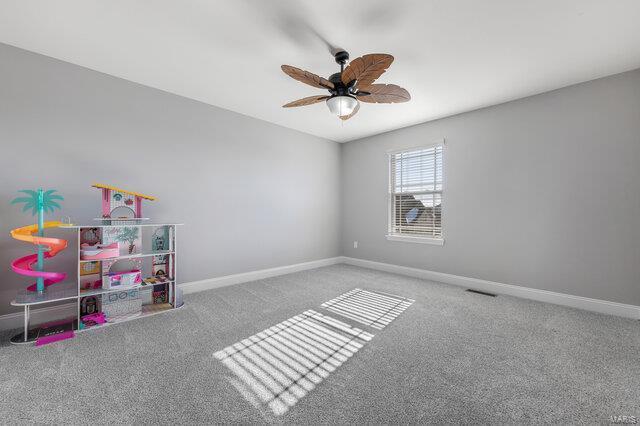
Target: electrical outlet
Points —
{"points": [[355, 244]]}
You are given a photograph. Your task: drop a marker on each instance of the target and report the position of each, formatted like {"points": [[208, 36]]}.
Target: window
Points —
{"points": [[415, 201]]}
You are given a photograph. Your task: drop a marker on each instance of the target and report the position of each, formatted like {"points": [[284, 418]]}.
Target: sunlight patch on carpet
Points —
{"points": [[277, 367], [371, 308]]}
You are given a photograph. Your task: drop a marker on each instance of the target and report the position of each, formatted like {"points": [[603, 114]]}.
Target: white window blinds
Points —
{"points": [[416, 192]]}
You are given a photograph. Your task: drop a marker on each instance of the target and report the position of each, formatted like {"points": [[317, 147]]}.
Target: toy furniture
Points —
{"points": [[99, 251], [121, 303], [55, 331], [126, 267], [90, 320], [121, 279]]}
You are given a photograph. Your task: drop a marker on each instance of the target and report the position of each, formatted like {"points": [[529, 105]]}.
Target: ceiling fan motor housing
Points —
{"points": [[340, 89]]}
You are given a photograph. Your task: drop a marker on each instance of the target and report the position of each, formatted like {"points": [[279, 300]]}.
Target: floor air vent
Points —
{"points": [[484, 293]]}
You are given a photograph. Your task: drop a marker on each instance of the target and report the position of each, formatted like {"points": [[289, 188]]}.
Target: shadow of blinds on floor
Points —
{"points": [[374, 309], [280, 365]]}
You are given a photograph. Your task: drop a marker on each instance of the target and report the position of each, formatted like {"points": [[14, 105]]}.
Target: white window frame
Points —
{"points": [[413, 238]]}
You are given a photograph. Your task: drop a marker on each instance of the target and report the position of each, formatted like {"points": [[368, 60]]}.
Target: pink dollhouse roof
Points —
{"points": [[113, 188]]}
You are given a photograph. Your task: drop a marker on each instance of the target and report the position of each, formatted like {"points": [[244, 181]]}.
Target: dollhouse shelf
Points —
{"points": [[55, 293], [132, 256], [120, 225], [93, 292], [74, 290], [121, 219], [147, 311]]}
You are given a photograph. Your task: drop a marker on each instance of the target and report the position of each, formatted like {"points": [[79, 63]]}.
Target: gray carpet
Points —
{"points": [[450, 357]]}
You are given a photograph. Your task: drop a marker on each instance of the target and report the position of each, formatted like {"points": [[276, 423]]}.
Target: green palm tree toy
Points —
{"points": [[39, 202], [128, 235]]}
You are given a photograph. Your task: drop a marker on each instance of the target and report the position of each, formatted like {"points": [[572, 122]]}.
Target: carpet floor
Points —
{"points": [[267, 351]]}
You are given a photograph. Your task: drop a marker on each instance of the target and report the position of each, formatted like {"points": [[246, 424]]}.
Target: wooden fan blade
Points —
{"points": [[366, 69], [305, 101], [355, 111], [384, 94], [307, 77]]}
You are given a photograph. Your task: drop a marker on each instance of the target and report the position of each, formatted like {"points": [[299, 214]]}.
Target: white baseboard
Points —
{"points": [[595, 305], [15, 320], [194, 286]]}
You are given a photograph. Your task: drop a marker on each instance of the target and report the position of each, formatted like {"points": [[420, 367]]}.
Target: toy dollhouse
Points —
{"points": [[126, 268]]}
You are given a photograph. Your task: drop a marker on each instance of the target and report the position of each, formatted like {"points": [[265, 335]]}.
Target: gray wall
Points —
{"points": [[542, 192], [252, 195]]}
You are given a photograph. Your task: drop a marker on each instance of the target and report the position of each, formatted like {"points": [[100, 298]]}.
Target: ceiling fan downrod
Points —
{"points": [[340, 89], [341, 58]]}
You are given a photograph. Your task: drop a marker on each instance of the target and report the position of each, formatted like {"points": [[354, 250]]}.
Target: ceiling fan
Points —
{"points": [[351, 85]]}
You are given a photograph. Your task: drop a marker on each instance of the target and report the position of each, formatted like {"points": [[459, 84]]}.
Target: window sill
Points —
{"points": [[419, 240]]}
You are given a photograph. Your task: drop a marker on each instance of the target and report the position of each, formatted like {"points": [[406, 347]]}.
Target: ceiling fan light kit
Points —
{"points": [[342, 105], [352, 84]]}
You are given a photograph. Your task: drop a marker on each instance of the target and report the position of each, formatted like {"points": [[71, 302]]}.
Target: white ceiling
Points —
{"points": [[452, 55]]}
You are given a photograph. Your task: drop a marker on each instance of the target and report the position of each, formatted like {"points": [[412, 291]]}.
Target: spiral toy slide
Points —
{"points": [[24, 265]]}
